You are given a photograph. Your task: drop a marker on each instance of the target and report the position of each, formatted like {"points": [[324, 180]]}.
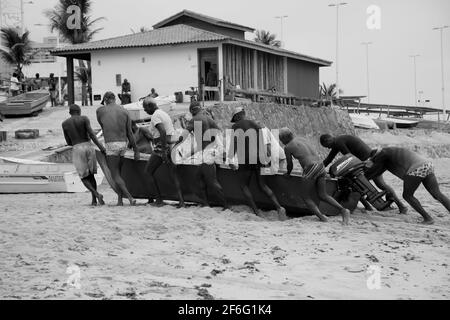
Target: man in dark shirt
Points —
{"points": [[207, 173], [246, 143], [414, 170], [78, 134], [52, 89], [347, 144]]}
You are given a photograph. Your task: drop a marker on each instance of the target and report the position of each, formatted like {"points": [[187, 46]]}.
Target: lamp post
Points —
{"points": [[367, 44], [415, 77], [22, 13], [441, 29], [337, 5], [281, 21], [61, 67]]}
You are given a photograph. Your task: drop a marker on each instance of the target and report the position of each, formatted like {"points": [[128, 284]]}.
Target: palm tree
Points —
{"points": [[58, 21], [17, 48], [329, 93], [267, 38]]}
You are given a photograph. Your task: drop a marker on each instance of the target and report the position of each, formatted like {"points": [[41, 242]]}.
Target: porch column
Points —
{"points": [[221, 71], [70, 81], [285, 72], [255, 69]]}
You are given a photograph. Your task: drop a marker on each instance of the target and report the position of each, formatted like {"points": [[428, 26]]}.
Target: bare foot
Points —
{"points": [[181, 205], [282, 214], [133, 202], [158, 204], [428, 221], [100, 200], [403, 210], [119, 203], [345, 217], [322, 218], [93, 204]]}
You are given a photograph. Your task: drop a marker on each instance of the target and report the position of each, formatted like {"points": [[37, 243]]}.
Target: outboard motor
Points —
{"points": [[350, 172]]}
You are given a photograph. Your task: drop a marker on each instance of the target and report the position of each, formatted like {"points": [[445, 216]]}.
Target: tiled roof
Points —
{"points": [[178, 34], [205, 18]]}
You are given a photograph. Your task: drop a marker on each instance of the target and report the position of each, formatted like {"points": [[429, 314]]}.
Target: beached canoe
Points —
{"points": [[30, 103], [287, 189], [26, 176]]}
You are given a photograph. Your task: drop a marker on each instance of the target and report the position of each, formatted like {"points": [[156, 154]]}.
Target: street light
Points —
{"points": [[22, 4], [62, 68], [441, 29], [367, 44], [281, 21], [337, 5], [415, 76]]}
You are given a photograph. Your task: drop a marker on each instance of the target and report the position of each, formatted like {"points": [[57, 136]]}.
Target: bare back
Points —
{"points": [[115, 123], [300, 149], [76, 130]]}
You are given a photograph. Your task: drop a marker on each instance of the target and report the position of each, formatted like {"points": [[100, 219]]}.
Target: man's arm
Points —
{"points": [[92, 135], [330, 157], [290, 163], [67, 137], [99, 118]]}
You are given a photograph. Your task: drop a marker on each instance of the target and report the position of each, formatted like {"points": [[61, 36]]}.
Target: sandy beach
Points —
{"points": [[202, 253]]}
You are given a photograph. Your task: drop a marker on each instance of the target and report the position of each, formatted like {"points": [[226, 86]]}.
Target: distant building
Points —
{"points": [[181, 49], [43, 62]]}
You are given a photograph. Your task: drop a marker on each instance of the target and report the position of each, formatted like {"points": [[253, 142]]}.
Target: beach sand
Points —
{"points": [[202, 253]]}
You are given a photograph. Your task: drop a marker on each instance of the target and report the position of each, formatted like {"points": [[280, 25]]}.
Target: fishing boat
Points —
{"points": [[403, 123], [363, 122], [30, 103], [288, 190], [27, 176]]}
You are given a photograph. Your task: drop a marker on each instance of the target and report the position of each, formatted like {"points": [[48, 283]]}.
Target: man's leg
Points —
{"points": [[98, 195], [381, 184], [153, 164], [176, 180], [431, 184], [410, 185], [265, 188], [210, 177], [245, 178], [201, 188], [114, 165], [321, 187], [92, 187]]}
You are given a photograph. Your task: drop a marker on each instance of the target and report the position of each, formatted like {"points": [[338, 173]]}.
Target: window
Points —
{"points": [[118, 80]]}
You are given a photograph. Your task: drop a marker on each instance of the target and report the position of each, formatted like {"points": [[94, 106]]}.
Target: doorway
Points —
{"points": [[208, 77]]}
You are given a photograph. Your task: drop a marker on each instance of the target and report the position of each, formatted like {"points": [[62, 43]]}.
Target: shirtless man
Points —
{"points": [[249, 159], [313, 173], [116, 124], [347, 144], [207, 173], [162, 137], [414, 170], [78, 134]]}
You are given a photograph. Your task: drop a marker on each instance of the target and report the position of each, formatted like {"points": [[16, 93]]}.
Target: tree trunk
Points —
{"points": [[83, 86]]}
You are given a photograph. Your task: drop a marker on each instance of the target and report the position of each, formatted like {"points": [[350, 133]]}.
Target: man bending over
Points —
{"points": [[347, 144], [313, 172], [414, 170]]}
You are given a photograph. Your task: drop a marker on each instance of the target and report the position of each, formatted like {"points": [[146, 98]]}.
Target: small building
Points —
{"points": [[180, 51]]}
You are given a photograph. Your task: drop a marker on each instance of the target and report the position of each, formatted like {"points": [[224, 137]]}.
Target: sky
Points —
{"points": [[310, 28]]}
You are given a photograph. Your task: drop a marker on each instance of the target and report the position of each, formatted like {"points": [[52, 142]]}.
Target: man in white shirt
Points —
{"points": [[14, 85], [163, 131]]}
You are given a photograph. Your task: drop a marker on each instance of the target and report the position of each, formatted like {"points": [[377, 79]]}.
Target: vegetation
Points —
{"points": [[267, 38], [17, 48]]}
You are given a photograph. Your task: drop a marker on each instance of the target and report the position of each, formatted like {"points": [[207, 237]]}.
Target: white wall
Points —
{"points": [[168, 69]]}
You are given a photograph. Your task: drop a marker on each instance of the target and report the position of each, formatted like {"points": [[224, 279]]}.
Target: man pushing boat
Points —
{"points": [[163, 132], [116, 124], [203, 125], [414, 170], [313, 172], [246, 143], [78, 134], [347, 144]]}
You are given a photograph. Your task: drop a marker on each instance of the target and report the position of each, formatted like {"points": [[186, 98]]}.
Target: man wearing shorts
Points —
{"points": [[313, 172], [116, 124], [414, 170], [246, 141], [163, 132], [347, 144], [78, 134]]}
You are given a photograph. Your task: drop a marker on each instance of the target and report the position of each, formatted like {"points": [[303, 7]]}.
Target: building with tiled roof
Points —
{"points": [[178, 53]]}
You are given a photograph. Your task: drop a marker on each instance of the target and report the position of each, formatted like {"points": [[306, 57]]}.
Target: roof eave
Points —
{"points": [[293, 55]]}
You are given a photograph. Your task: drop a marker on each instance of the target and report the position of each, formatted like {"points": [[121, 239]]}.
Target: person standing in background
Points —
{"points": [[14, 85], [52, 89]]}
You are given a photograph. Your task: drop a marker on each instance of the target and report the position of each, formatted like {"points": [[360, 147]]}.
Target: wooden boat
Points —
{"points": [[30, 103], [287, 189], [363, 122], [26, 176], [403, 123]]}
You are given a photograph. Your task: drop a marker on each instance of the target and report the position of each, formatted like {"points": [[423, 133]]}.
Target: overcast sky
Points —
{"points": [[406, 29]]}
